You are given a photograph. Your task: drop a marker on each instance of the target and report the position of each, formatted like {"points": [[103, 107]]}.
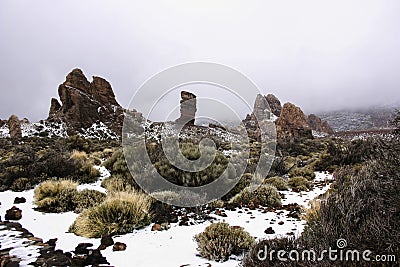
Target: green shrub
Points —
{"points": [[166, 196], [363, 208], [62, 196], [299, 184], [252, 259], [116, 183], [219, 241], [85, 169], [86, 199], [120, 213], [21, 184], [264, 195], [55, 196], [306, 172], [279, 182]]}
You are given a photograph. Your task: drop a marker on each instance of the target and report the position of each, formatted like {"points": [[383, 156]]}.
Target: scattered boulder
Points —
{"points": [[156, 227], [106, 241], [274, 104], [292, 123], [83, 248], [52, 242], [318, 125], [14, 126], [118, 246], [187, 109], [269, 231], [19, 200], [13, 214]]}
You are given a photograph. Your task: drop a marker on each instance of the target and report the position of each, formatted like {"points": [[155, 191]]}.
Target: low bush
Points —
{"points": [[116, 183], [299, 184], [306, 172], [264, 195], [120, 213], [63, 196], [259, 254], [279, 182], [86, 199], [219, 241]]}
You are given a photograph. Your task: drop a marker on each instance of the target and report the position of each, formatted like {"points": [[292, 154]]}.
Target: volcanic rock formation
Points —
{"points": [[318, 125], [274, 104], [85, 103], [292, 123], [261, 108], [188, 109], [14, 126]]}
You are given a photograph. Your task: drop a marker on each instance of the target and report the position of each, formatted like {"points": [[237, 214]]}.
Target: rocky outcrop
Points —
{"points": [[274, 104], [318, 125], [85, 103], [14, 126], [261, 108], [55, 107], [2, 122], [187, 109], [292, 123]]}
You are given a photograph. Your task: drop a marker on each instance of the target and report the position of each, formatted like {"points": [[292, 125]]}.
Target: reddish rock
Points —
{"points": [[106, 241], [14, 126], [274, 104], [292, 123], [118, 246], [55, 107], [318, 125], [187, 109], [85, 103], [156, 227], [13, 214]]}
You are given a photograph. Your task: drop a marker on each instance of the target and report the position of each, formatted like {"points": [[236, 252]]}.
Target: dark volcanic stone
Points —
{"points": [[13, 214], [188, 109], [19, 200]]}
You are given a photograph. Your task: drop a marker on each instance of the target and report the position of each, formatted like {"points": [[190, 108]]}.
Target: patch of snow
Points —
{"points": [[99, 131], [173, 247], [4, 131]]}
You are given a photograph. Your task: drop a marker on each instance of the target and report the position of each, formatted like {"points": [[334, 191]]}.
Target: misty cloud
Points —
{"points": [[319, 55]]}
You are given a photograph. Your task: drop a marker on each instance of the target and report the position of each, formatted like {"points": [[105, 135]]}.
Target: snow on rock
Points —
{"points": [[99, 131], [4, 131], [44, 129]]}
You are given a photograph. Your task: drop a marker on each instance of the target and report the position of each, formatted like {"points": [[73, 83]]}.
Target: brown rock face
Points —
{"points": [[14, 126], [2, 122], [274, 104], [292, 123], [188, 109], [318, 125], [85, 103], [54, 107]]}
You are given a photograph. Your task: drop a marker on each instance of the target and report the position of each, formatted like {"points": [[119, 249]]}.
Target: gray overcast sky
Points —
{"points": [[317, 54]]}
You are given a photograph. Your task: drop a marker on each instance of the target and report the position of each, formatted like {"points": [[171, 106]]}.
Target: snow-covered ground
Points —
{"points": [[173, 247]]}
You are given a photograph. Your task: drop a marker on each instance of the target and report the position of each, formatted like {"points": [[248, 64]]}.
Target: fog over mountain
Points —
{"points": [[319, 55]]}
